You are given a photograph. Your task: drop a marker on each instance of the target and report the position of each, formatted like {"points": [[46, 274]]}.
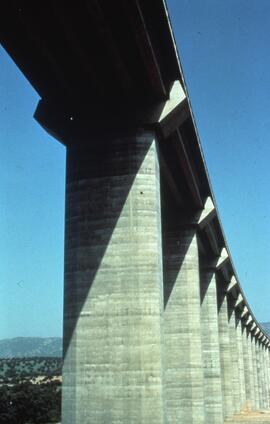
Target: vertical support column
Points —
{"points": [[262, 374], [259, 372], [225, 351], [242, 387], [266, 376], [268, 372], [264, 390], [210, 346], [113, 294], [184, 391], [252, 373], [248, 370], [234, 356], [255, 371]]}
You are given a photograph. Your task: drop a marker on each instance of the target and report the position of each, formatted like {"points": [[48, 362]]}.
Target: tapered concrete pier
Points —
{"points": [[113, 284], [225, 353], [252, 372], [184, 385], [211, 348], [266, 361], [248, 370], [256, 378], [236, 388], [242, 382]]}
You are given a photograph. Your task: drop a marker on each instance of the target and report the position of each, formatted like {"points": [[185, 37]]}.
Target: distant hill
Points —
{"points": [[25, 347], [266, 327]]}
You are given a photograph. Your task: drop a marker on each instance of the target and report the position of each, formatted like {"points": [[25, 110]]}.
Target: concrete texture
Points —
{"points": [[266, 376], [267, 363], [242, 383], [255, 370], [210, 345], [235, 359], [113, 284], [248, 370], [252, 372], [259, 372], [262, 376], [263, 370], [184, 389], [225, 352]]}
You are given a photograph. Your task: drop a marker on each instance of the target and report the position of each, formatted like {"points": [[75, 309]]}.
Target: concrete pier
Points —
{"points": [[252, 372], [256, 378], [184, 385], [259, 373], [267, 364], [264, 382], [267, 374], [236, 388], [113, 284], [242, 383], [248, 370], [225, 352], [211, 349]]}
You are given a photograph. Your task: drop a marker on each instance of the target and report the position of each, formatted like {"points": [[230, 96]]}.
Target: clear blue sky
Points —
{"points": [[225, 56], [32, 178]]}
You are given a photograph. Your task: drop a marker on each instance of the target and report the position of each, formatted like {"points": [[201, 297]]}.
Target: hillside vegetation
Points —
{"points": [[20, 369], [28, 403], [30, 390]]}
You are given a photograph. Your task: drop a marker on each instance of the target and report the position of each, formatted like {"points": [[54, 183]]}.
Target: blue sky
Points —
{"points": [[32, 175], [224, 53]]}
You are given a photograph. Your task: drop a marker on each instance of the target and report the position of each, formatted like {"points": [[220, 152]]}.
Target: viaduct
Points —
{"points": [[157, 328]]}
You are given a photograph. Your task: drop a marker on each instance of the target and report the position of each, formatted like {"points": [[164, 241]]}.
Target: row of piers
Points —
{"points": [[154, 330]]}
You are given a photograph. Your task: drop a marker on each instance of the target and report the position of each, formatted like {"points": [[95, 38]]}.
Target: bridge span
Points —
{"points": [[157, 328]]}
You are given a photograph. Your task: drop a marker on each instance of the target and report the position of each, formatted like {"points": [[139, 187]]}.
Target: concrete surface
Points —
{"points": [[112, 369], [210, 345], [184, 388]]}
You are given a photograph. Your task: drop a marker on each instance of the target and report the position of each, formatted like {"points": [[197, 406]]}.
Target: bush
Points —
{"points": [[30, 403]]}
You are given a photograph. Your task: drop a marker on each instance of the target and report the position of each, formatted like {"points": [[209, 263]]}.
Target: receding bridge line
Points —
{"points": [[157, 328]]}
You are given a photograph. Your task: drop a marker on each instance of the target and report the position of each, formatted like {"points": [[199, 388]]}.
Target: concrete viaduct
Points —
{"points": [[157, 328]]}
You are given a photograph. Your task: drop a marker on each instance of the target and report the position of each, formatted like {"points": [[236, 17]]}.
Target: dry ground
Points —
{"points": [[251, 418]]}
